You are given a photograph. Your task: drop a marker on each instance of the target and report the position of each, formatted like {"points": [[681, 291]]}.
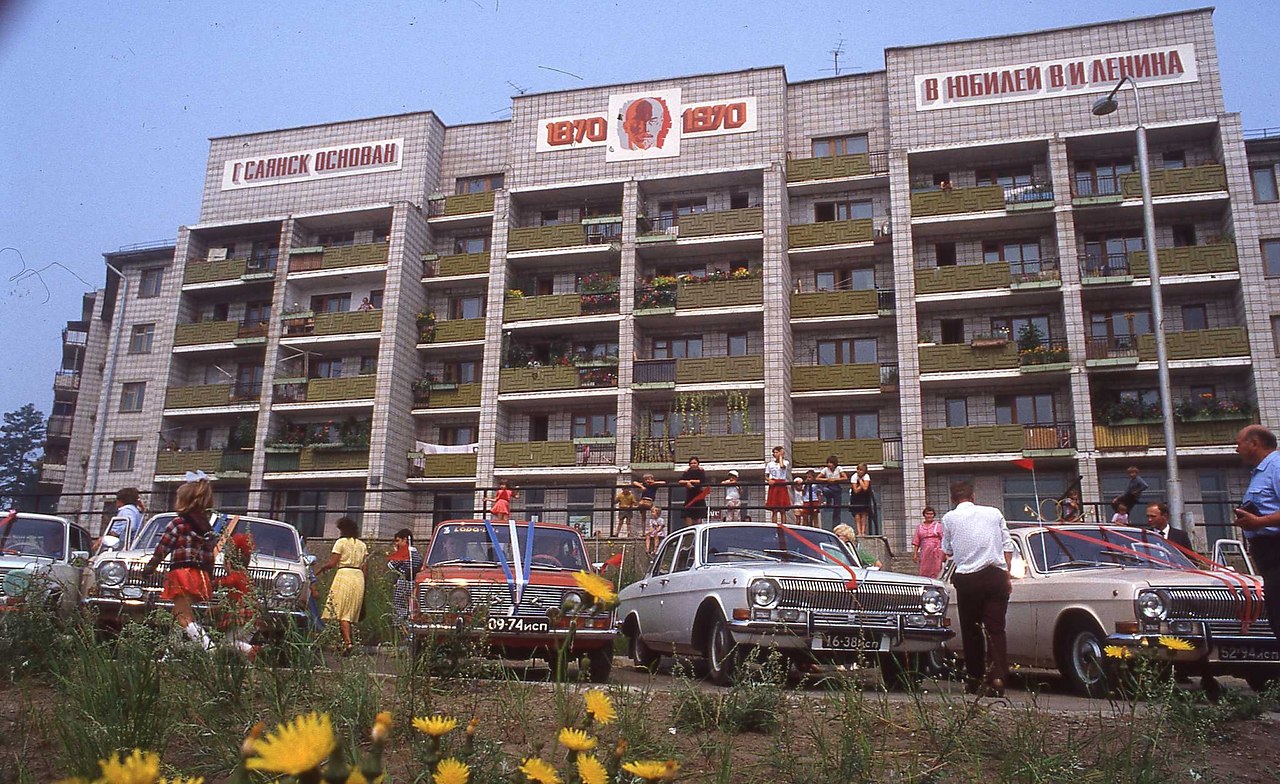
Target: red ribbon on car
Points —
{"points": [[851, 584]]}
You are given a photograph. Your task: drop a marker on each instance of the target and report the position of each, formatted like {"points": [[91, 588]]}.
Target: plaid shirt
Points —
{"points": [[190, 549]]}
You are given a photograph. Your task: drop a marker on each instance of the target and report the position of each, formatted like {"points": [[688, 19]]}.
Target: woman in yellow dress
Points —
{"points": [[346, 594]]}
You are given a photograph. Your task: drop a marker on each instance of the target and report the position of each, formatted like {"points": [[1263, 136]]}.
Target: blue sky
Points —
{"points": [[106, 107]]}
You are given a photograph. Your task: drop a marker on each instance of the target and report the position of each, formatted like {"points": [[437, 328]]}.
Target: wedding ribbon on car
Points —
{"points": [[851, 584], [517, 573]]}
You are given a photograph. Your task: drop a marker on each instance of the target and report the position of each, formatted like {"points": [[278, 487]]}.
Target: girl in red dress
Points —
{"points": [[501, 509], [190, 539]]}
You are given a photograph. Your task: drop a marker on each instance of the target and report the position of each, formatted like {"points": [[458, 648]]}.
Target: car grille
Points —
{"points": [[535, 600], [831, 595], [263, 579], [1219, 608], [865, 619]]}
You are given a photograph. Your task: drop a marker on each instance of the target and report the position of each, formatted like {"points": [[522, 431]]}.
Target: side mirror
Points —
{"points": [[597, 567], [1018, 569], [79, 558], [309, 559]]}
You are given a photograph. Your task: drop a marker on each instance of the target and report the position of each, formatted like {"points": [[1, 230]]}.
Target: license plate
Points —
{"points": [[1248, 653], [518, 626], [850, 642]]}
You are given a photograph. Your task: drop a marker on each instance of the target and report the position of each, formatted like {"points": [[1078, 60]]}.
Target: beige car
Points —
{"points": [[1078, 589]]}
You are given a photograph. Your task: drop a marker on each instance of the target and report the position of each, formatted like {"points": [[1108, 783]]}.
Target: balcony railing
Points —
{"points": [[1046, 355], [221, 462], [707, 447], [1164, 182], [328, 457], [549, 306], [306, 323], [694, 294], [815, 378], [460, 204], [451, 331], [58, 426], [821, 233], [555, 454], [994, 439], [837, 167], [455, 264], [654, 371], [65, 379], [441, 465], [1112, 347], [53, 473], [338, 257], [849, 451], [323, 390], [598, 231], [447, 395], [746, 220], [545, 379], [1143, 436], [828, 303], [698, 370], [964, 357], [75, 337], [1184, 260]]}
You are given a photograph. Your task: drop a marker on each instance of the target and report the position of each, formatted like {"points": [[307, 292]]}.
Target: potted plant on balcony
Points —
{"points": [[1209, 407], [1129, 411], [243, 434], [290, 438], [995, 340]]}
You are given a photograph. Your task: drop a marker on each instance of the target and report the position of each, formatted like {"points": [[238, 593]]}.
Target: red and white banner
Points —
{"points": [[647, 125], [319, 163], [1055, 78]]}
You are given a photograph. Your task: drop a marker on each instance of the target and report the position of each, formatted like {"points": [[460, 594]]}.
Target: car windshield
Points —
{"points": [[725, 544], [276, 539], [553, 548], [1084, 548], [32, 536]]}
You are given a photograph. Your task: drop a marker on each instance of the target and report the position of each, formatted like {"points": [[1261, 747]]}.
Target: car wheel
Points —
{"points": [[942, 664], [599, 664], [723, 654], [642, 655], [1261, 681], [1082, 662]]}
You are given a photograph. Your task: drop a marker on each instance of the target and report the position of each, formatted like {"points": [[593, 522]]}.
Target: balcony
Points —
{"points": [[324, 390], [555, 454], [593, 231], [664, 453], [338, 257], [1028, 273], [221, 462], [553, 306], [447, 395], [66, 380], [451, 331], [746, 220], [318, 457], [209, 332], [963, 358], [850, 451], [833, 304], [455, 265], [698, 370], [1088, 188], [430, 466], [1049, 356], [1143, 436], [75, 337], [308, 324], [216, 271], [53, 473], [816, 235], [1032, 440], [211, 395], [983, 198], [58, 426], [818, 378], [1187, 260], [460, 204], [837, 167], [546, 379], [1197, 344]]}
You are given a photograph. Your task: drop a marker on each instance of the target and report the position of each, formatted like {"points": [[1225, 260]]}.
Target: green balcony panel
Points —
{"points": [[741, 448], [355, 255], [539, 379], [345, 323], [463, 264], [449, 465], [279, 462], [457, 330], [976, 440], [207, 460], [330, 459], [349, 388], [1172, 182], [465, 395], [828, 168], [1188, 260], [821, 304], [710, 224], [202, 396], [961, 357], [468, 203], [712, 370], [1198, 344], [984, 198], [210, 271], [814, 378], [534, 454], [1205, 433], [719, 294], [203, 332], [566, 235], [963, 277], [546, 306], [850, 451], [846, 232]]}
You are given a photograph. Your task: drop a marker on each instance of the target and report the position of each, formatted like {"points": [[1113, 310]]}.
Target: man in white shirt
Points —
{"points": [[976, 538]]}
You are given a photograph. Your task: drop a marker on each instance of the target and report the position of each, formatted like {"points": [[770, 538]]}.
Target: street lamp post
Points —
{"points": [[1102, 107]]}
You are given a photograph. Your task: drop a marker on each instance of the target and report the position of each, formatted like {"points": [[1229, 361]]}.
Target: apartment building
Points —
{"points": [[935, 269]]}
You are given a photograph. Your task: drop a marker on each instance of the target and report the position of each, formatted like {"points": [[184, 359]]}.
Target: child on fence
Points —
{"points": [[1121, 517], [732, 498], [811, 499], [655, 531], [626, 502]]}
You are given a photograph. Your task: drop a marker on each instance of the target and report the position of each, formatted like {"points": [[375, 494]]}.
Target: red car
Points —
{"points": [[469, 585]]}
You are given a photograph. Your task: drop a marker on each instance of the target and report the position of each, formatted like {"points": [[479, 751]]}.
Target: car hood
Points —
{"points": [[9, 563], [1148, 578], [493, 574], [814, 571], [256, 561]]}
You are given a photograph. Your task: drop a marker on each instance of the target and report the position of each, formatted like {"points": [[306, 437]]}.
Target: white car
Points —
{"points": [[41, 558], [718, 590]]}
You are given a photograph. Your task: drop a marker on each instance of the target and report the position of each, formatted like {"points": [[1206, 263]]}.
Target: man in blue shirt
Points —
{"points": [[127, 522], [1259, 515]]}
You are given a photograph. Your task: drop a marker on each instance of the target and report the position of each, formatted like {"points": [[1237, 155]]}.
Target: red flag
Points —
{"points": [[696, 497], [614, 560], [1025, 463]]}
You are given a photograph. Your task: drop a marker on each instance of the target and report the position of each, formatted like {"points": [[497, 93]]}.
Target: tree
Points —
{"points": [[21, 446]]}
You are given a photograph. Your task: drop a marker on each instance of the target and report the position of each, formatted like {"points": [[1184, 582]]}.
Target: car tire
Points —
{"points": [[722, 653], [1082, 662], [599, 664], [642, 656], [1261, 681], [942, 664]]}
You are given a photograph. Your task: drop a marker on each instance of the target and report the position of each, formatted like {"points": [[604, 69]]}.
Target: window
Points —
{"points": [[458, 435], [1101, 178], [221, 312], [594, 425], [1264, 184], [470, 306], [669, 212], [382, 234], [463, 372], [539, 424], [63, 408], [1174, 159], [739, 201], [1145, 397], [737, 422], [1120, 326], [831, 146], [331, 303], [248, 381], [549, 218], [604, 350], [677, 348], [132, 394], [478, 244], [375, 299], [256, 313], [1109, 255], [944, 253], [1271, 258], [204, 438], [368, 365], [842, 210], [262, 256], [480, 184], [1024, 409], [738, 344], [152, 279], [581, 503], [122, 454], [336, 239], [1004, 177], [1021, 254], [952, 331], [837, 427], [1184, 235], [847, 351], [941, 178], [957, 412], [328, 368], [1204, 392], [1194, 317], [140, 338], [1275, 333], [1013, 327], [831, 280]]}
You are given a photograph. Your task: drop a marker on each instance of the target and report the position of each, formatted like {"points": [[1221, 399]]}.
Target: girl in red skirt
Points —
{"points": [[778, 474], [501, 509], [188, 537]]}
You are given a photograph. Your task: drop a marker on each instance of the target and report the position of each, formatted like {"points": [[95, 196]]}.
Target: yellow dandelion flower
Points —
{"points": [[451, 771], [1116, 652], [140, 767], [652, 770], [181, 780], [381, 727], [600, 706], [435, 726], [600, 588], [1176, 644], [591, 771], [73, 780], [356, 776], [295, 747], [576, 740], [535, 769]]}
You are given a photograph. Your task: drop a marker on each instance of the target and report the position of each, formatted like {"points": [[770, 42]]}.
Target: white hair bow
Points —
{"points": [[196, 476]]}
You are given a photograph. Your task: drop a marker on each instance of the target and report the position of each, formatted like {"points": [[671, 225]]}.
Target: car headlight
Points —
{"points": [[459, 598], [1153, 605], [933, 600], [288, 584], [17, 583], [112, 574], [763, 593], [572, 601], [436, 598]]}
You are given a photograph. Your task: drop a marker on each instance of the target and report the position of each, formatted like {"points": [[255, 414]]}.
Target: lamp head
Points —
{"points": [[1105, 105]]}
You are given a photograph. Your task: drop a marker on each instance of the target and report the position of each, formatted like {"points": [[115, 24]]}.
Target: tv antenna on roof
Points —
{"points": [[835, 57], [519, 90]]}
